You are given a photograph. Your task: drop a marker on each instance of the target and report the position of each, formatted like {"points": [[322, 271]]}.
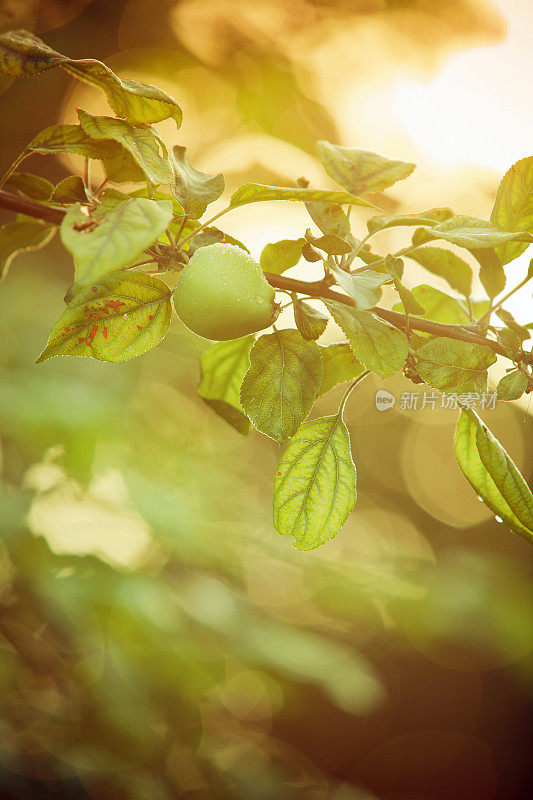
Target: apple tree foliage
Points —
{"points": [[125, 242]]}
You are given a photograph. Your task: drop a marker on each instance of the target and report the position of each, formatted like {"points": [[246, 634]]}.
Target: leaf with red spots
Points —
{"points": [[121, 316]]}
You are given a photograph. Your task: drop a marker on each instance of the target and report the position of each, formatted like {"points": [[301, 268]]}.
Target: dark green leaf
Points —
{"points": [[339, 365], [139, 140], [456, 272], [257, 192], [19, 236], [431, 217], [22, 54], [315, 483], [115, 238], [310, 322], [195, 190], [493, 474], [72, 139], [69, 190], [31, 186], [121, 316], [454, 366], [223, 367], [512, 386], [279, 256], [380, 347], [282, 383], [360, 171], [513, 206]]}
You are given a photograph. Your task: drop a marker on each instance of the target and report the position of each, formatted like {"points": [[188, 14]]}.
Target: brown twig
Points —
{"points": [[318, 289]]}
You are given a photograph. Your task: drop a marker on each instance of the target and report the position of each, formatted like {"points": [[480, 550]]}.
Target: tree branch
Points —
{"points": [[318, 289]]}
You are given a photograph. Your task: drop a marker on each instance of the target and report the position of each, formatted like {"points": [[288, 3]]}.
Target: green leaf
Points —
{"points": [[330, 243], [139, 140], [439, 306], [282, 383], [513, 206], [454, 366], [431, 217], [380, 347], [315, 483], [339, 365], [72, 139], [409, 301], [70, 190], [469, 232], [521, 332], [493, 474], [31, 186], [280, 256], [124, 169], [512, 386], [447, 265], [113, 239], [19, 236], [360, 171], [310, 322], [195, 190], [329, 218], [22, 54], [491, 272], [223, 367], [364, 287], [258, 193], [121, 316]]}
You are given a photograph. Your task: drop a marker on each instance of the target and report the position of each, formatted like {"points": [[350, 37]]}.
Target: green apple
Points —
{"points": [[223, 294]]}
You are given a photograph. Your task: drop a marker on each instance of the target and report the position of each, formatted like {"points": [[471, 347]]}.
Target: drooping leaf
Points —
{"points": [[447, 265], [19, 236], [409, 301], [223, 367], [491, 273], [454, 366], [339, 365], [315, 483], [119, 317], [72, 139], [512, 386], [431, 217], [329, 218], [258, 193], [364, 287], [360, 171], [195, 190], [493, 474], [124, 169], [380, 347], [22, 54], [469, 232], [282, 383], [113, 239], [277, 257], [70, 190], [310, 322], [513, 206], [139, 140], [32, 186]]}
